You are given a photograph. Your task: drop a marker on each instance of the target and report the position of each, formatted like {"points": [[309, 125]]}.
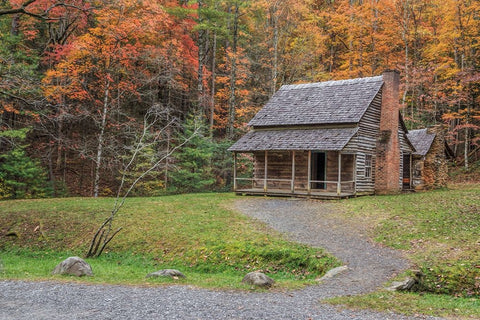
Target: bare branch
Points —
{"points": [[17, 98], [105, 229], [41, 16], [107, 241]]}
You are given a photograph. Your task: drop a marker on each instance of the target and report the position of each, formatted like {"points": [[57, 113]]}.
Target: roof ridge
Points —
{"points": [[331, 83], [418, 130]]}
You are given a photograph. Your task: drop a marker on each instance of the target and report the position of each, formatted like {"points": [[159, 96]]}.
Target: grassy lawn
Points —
{"points": [[197, 234], [439, 231]]}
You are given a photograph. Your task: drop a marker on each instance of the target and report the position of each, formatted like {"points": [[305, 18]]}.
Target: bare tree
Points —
{"points": [[154, 116]]}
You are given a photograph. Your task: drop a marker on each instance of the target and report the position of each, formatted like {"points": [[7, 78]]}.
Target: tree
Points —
{"points": [[120, 60], [193, 171], [20, 175], [148, 137]]}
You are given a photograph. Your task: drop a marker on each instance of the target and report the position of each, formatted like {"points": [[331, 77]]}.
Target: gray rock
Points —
{"points": [[404, 285], [172, 273], [333, 272], [74, 266], [409, 284], [258, 279]]}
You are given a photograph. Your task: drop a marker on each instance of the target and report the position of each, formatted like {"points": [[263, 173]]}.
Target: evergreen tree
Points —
{"points": [[193, 162]]}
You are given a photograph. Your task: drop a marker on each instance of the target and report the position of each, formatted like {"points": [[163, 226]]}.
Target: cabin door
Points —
{"points": [[319, 169], [407, 169]]}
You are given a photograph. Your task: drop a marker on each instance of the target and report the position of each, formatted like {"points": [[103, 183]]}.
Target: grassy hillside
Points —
{"points": [[196, 233], [439, 231]]}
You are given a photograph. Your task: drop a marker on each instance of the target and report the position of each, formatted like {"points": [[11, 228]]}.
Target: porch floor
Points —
{"points": [[314, 194]]}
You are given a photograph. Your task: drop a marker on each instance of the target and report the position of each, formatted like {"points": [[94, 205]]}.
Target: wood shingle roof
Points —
{"points": [[331, 102], [326, 139], [421, 140]]}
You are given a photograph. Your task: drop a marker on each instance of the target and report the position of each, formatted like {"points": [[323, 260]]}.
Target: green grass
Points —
{"points": [[439, 231], [415, 304], [197, 234]]}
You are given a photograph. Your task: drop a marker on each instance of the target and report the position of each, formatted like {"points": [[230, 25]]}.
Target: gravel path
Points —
{"points": [[310, 222]]}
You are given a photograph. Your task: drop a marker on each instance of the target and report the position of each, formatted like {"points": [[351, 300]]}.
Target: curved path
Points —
{"points": [[310, 222]]}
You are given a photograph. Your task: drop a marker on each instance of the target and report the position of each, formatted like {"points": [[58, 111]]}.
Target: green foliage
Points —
{"points": [[151, 184], [19, 67], [21, 176], [269, 256], [456, 278], [19, 134], [222, 164], [193, 171]]}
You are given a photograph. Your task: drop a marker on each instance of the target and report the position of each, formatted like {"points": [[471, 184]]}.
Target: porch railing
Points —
{"points": [[292, 185]]}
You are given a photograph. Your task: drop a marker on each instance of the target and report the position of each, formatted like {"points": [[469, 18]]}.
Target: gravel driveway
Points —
{"points": [[310, 222]]}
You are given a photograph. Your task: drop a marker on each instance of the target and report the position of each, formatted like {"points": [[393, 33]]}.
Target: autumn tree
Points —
{"points": [[121, 60]]}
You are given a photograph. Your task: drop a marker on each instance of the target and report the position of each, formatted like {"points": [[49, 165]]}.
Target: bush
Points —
{"points": [[460, 278]]}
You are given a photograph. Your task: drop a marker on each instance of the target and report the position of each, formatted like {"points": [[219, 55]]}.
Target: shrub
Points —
{"points": [[460, 278]]}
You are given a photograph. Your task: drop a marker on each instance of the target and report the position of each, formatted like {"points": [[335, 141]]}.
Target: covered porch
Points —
{"points": [[321, 174]]}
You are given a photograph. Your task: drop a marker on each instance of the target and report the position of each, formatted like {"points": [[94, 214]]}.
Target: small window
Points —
{"points": [[368, 166]]}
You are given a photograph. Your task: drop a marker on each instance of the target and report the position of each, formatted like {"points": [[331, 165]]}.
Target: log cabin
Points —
{"points": [[430, 159], [333, 139]]}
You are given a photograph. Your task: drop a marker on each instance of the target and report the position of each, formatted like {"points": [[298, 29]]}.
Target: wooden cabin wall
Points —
{"points": [[365, 142], [280, 167], [348, 167], [364, 184], [348, 164], [301, 170], [332, 170]]}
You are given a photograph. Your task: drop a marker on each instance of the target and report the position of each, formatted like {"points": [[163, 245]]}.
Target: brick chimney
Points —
{"points": [[387, 172]]}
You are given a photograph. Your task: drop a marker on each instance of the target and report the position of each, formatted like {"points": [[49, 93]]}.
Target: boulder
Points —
{"points": [[172, 273], [258, 279], [409, 284], [405, 285], [333, 272], [74, 266]]}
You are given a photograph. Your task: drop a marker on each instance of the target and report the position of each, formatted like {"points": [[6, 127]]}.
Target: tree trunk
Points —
{"points": [[201, 57], [212, 92], [275, 49], [233, 76], [101, 139]]}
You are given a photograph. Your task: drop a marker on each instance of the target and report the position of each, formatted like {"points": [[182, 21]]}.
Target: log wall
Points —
{"points": [[365, 143], [280, 167]]}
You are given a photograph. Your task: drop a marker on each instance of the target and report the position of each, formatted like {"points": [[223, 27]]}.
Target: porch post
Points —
{"points": [[309, 176], [411, 171], [234, 171], [355, 173], [339, 182], [265, 177], [293, 171]]}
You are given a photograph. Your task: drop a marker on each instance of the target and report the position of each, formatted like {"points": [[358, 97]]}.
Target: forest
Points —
{"points": [[99, 95]]}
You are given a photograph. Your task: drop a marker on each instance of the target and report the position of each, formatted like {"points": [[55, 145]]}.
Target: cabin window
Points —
{"points": [[368, 166]]}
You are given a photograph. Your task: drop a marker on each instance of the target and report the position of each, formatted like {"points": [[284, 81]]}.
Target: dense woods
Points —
{"points": [[95, 93]]}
